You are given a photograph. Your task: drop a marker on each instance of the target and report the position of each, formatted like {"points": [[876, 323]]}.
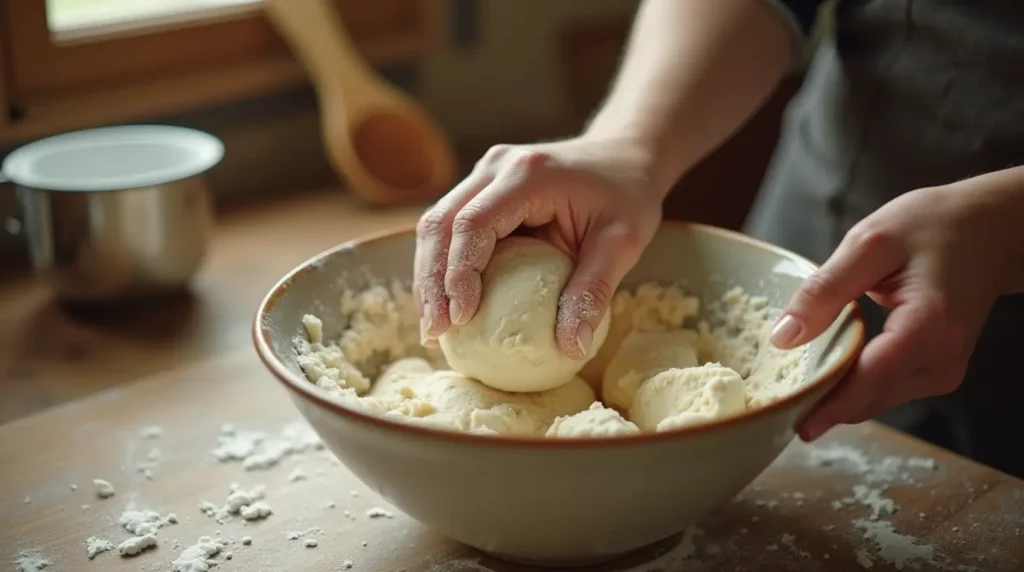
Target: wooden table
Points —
{"points": [[199, 373]]}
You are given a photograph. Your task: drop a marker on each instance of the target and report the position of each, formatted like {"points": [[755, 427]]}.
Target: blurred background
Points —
{"points": [[489, 71]]}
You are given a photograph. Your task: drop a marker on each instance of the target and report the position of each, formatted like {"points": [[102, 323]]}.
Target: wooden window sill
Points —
{"points": [[67, 82]]}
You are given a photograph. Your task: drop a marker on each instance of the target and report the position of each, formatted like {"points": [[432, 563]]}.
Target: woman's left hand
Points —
{"points": [[937, 258]]}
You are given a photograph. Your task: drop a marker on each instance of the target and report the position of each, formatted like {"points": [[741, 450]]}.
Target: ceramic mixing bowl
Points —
{"points": [[556, 502]]}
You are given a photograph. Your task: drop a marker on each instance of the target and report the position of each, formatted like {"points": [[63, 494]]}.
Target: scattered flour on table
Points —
{"points": [[199, 556], [136, 544], [258, 450], [95, 546], [151, 432], [297, 534], [296, 475], [886, 544], [144, 526], [148, 466], [31, 561], [247, 504], [144, 522], [377, 512], [894, 548], [103, 489]]}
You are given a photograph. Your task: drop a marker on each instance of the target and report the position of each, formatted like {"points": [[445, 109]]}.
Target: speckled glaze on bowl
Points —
{"points": [[556, 502]]}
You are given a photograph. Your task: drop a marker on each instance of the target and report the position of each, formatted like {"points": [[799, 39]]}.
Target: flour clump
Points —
{"points": [[509, 344]]}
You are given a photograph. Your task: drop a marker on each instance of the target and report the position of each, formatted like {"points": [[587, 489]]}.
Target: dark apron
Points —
{"points": [[910, 94]]}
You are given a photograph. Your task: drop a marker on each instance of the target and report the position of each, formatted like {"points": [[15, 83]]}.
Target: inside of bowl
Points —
{"points": [[705, 262]]}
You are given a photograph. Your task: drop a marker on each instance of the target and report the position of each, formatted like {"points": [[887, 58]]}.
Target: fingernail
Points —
{"points": [[426, 322], [584, 337], [455, 311], [786, 331]]}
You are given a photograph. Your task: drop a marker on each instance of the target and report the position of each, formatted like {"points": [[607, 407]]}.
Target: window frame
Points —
{"points": [[124, 72]]}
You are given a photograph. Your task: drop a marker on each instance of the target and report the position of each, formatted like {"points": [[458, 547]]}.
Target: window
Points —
{"points": [[73, 63]]}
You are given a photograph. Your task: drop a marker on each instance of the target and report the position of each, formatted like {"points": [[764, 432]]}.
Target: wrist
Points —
{"points": [[1001, 204], [645, 149]]}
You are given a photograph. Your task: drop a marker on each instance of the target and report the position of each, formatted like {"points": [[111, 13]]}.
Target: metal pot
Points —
{"points": [[115, 212]]}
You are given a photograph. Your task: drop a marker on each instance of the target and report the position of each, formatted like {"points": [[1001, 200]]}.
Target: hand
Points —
{"points": [[590, 196], [938, 259]]}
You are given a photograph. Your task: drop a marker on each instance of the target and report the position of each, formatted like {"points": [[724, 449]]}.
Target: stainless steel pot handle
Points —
{"points": [[12, 224]]}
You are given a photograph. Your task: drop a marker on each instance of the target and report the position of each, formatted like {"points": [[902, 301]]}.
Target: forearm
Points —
{"points": [[998, 202], [694, 72]]}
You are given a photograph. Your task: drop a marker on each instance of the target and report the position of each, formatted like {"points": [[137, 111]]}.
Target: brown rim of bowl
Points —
{"points": [[299, 383]]}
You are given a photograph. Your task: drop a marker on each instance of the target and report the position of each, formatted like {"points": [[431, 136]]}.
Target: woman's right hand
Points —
{"points": [[590, 196]]}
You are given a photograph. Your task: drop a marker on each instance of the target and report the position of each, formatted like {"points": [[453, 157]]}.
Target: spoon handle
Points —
{"points": [[318, 38]]}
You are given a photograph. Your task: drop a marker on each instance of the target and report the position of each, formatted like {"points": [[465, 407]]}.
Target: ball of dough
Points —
{"points": [[510, 342], [643, 355], [680, 397], [597, 421]]}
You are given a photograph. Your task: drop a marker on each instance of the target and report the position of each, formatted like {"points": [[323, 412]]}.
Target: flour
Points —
{"points": [[103, 489], [245, 503], [136, 544], [296, 475], [887, 544], [95, 546], [198, 557], [297, 534], [256, 511], [889, 469], [873, 499], [309, 543], [31, 561], [149, 465], [379, 513], [894, 548], [144, 522], [257, 450], [151, 432]]}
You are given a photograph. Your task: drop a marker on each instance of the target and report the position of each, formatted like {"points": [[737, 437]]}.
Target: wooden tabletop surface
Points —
{"points": [[186, 367]]}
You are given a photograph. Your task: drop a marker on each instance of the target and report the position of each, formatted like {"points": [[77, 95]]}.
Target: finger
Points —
{"points": [[607, 253], [490, 216], [433, 237], [863, 259], [884, 373]]}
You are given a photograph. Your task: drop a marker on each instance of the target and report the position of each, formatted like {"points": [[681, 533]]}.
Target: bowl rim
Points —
{"points": [[300, 385]]}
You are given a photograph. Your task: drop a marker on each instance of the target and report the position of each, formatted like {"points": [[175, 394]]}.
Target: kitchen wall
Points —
{"points": [[529, 69], [507, 83]]}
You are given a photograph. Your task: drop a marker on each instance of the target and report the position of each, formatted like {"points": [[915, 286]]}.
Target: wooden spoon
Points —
{"points": [[376, 136]]}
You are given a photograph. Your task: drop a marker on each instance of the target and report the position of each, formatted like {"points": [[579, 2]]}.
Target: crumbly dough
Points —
{"points": [[666, 363], [509, 344], [643, 355], [596, 421], [413, 391], [679, 397]]}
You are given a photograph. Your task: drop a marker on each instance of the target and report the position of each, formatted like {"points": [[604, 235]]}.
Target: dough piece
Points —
{"points": [[510, 342], [643, 355], [597, 421], [449, 400], [398, 374], [681, 397]]}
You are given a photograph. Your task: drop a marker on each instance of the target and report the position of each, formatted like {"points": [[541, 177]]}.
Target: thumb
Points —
{"points": [[606, 255], [859, 263]]}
